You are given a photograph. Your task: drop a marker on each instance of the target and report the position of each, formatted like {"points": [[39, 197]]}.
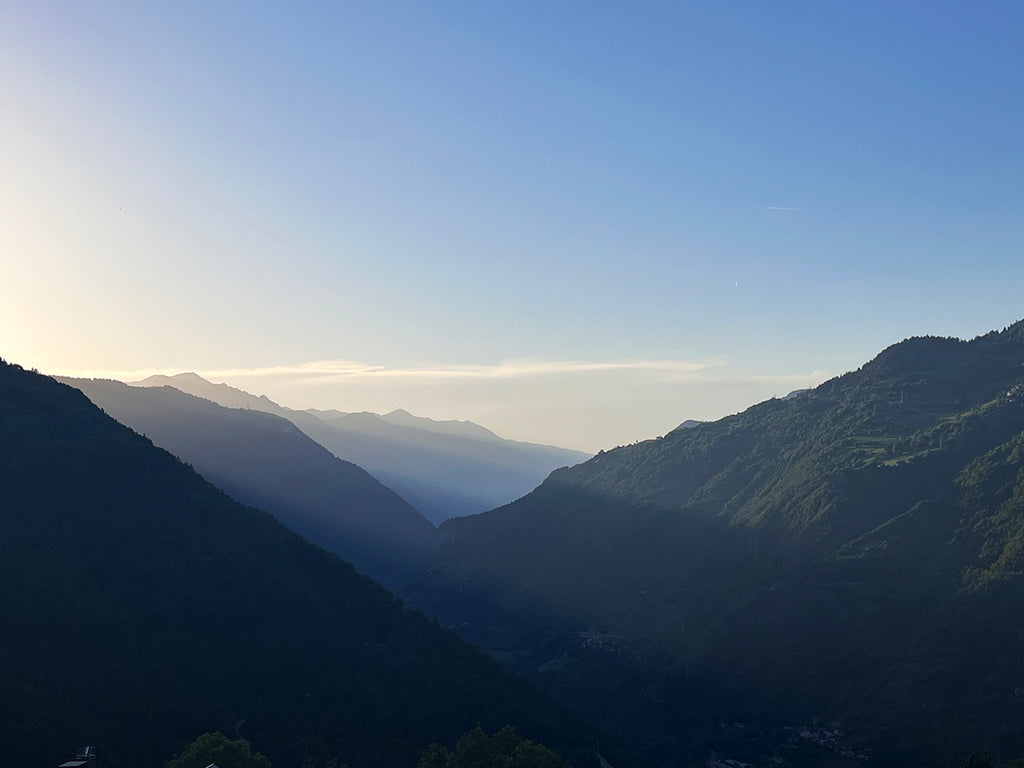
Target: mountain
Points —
{"points": [[443, 468], [225, 395], [463, 428], [854, 553], [689, 424], [443, 473], [142, 607], [267, 462]]}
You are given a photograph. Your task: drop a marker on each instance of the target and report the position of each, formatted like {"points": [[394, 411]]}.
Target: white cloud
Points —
{"points": [[313, 368], [110, 373], [320, 370]]}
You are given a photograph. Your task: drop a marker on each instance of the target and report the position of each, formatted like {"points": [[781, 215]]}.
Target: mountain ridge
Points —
{"points": [[266, 461], [144, 607], [783, 559], [444, 469]]}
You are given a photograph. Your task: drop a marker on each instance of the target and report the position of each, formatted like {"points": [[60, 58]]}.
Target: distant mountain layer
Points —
{"points": [[443, 468], [266, 461], [854, 552], [142, 607]]}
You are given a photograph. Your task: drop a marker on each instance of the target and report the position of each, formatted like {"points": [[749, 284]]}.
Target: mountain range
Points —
{"points": [[443, 468], [143, 607], [852, 554], [266, 461], [826, 579]]}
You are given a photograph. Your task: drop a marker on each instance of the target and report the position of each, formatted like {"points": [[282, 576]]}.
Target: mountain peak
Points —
{"points": [[689, 424], [160, 379], [190, 376], [1011, 333], [403, 418], [193, 384]]}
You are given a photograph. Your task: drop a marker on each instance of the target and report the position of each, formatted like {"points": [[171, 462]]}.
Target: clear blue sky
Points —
{"points": [[574, 222]]}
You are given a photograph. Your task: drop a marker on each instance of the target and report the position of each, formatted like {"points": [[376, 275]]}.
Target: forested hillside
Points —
{"points": [[855, 552], [143, 607], [266, 461]]}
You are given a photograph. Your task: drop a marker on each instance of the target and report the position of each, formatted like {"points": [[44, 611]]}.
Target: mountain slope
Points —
{"points": [[443, 468], [447, 474], [851, 552], [263, 460], [142, 607]]}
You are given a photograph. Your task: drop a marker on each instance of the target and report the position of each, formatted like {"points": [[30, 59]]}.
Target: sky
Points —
{"points": [[577, 223]]}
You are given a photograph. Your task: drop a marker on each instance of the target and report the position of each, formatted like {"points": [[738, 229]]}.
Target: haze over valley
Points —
{"points": [[525, 385]]}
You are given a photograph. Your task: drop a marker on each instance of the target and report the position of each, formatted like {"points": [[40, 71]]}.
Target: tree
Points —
{"points": [[502, 750], [983, 760], [977, 760], [218, 749]]}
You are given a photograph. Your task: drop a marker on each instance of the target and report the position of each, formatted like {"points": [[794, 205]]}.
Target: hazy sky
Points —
{"points": [[573, 222]]}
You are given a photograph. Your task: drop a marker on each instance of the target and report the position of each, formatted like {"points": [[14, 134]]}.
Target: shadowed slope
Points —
{"points": [[141, 607], [853, 551], [265, 461], [443, 468]]}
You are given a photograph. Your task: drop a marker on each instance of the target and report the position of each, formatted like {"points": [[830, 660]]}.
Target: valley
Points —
{"points": [[828, 577], [143, 607], [832, 556], [511, 385]]}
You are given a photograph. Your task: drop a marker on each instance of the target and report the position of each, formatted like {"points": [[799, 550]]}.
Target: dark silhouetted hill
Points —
{"points": [[852, 553], [443, 468], [267, 462], [142, 607]]}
